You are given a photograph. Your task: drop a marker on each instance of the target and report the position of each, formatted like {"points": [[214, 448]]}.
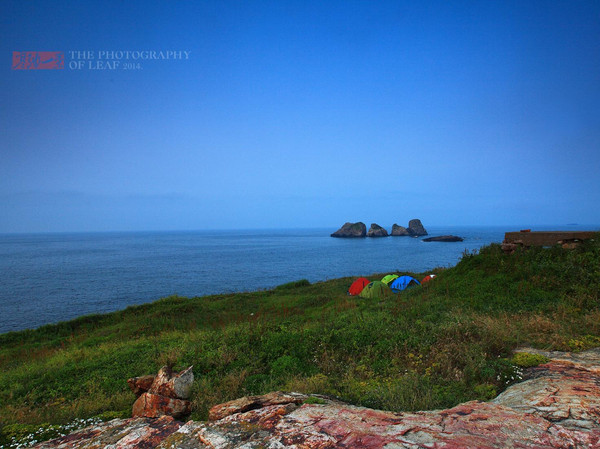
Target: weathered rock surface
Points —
{"points": [[558, 407], [415, 228], [143, 433], [151, 405], [141, 384], [254, 402], [399, 231], [469, 425], [167, 394], [358, 229], [376, 231], [444, 238], [565, 391], [173, 385]]}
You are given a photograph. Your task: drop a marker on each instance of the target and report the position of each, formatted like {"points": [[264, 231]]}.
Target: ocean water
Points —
{"points": [[47, 278]]}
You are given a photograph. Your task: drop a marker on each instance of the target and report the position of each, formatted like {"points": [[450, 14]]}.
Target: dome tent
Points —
{"points": [[357, 286], [376, 290], [389, 278], [403, 282], [427, 278]]}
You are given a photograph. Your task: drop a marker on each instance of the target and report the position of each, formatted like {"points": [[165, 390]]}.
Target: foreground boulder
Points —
{"points": [[399, 231], [558, 407], [348, 230], [173, 385], [166, 395], [139, 385], [151, 405], [444, 238], [376, 231]]}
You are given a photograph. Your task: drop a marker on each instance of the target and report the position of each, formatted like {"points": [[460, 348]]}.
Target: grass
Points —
{"points": [[429, 347]]}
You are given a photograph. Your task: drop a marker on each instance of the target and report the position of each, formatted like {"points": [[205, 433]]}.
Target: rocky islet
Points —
{"points": [[353, 230]]}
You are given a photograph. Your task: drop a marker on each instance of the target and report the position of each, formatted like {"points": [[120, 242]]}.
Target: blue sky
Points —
{"points": [[302, 114]]}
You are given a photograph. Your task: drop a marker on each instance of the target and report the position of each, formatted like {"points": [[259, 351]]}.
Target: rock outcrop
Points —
{"points": [[557, 407], [376, 231], [415, 228], [348, 230], [565, 391], [247, 403], [140, 385], [163, 394], [444, 238], [399, 231], [119, 434]]}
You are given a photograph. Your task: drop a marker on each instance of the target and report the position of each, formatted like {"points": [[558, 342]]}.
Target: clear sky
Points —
{"points": [[300, 114]]}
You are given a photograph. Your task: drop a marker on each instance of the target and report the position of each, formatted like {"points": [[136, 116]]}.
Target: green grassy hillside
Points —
{"points": [[429, 347]]}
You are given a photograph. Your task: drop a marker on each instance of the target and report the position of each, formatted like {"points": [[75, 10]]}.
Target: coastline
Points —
{"points": [[433, 346], [49, 278]]}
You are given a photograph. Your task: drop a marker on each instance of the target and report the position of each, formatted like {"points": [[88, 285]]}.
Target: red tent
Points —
{"points": [[427, 278], [357, 286]]}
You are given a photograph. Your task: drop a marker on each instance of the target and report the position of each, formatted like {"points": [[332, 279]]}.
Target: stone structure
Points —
{"points": [[525, 239]]}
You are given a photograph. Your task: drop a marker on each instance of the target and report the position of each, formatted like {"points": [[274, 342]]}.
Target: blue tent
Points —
{"points": [[402, 283]]}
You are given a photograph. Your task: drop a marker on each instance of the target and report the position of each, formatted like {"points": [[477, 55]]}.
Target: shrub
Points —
{"points": [[314, 400], [485, 392], [527, 360], [284, 366], [292, 285], [583, 343]]}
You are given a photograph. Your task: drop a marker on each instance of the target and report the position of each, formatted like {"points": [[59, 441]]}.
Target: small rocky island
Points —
{"points": [[444, 238], [415, 228], [350, 230], [376, 231], [399, 231]]}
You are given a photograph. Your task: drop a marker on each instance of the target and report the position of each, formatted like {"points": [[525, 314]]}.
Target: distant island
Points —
{"points": [[444, 238], [350, 230], [359, 229]]}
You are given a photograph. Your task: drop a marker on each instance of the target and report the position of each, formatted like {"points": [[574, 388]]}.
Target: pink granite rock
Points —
{"points": [[173, 385], [254, 402], [470, 425], [565, 391], [151, 405], [166, 395], [142, 433], [141, 384], [557, 408]]}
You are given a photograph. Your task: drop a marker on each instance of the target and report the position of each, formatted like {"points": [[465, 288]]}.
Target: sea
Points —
{"points": [[53, 277]]}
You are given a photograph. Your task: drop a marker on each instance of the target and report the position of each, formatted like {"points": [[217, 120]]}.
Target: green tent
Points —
{"points": [[376, 290], [389, 278]]}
